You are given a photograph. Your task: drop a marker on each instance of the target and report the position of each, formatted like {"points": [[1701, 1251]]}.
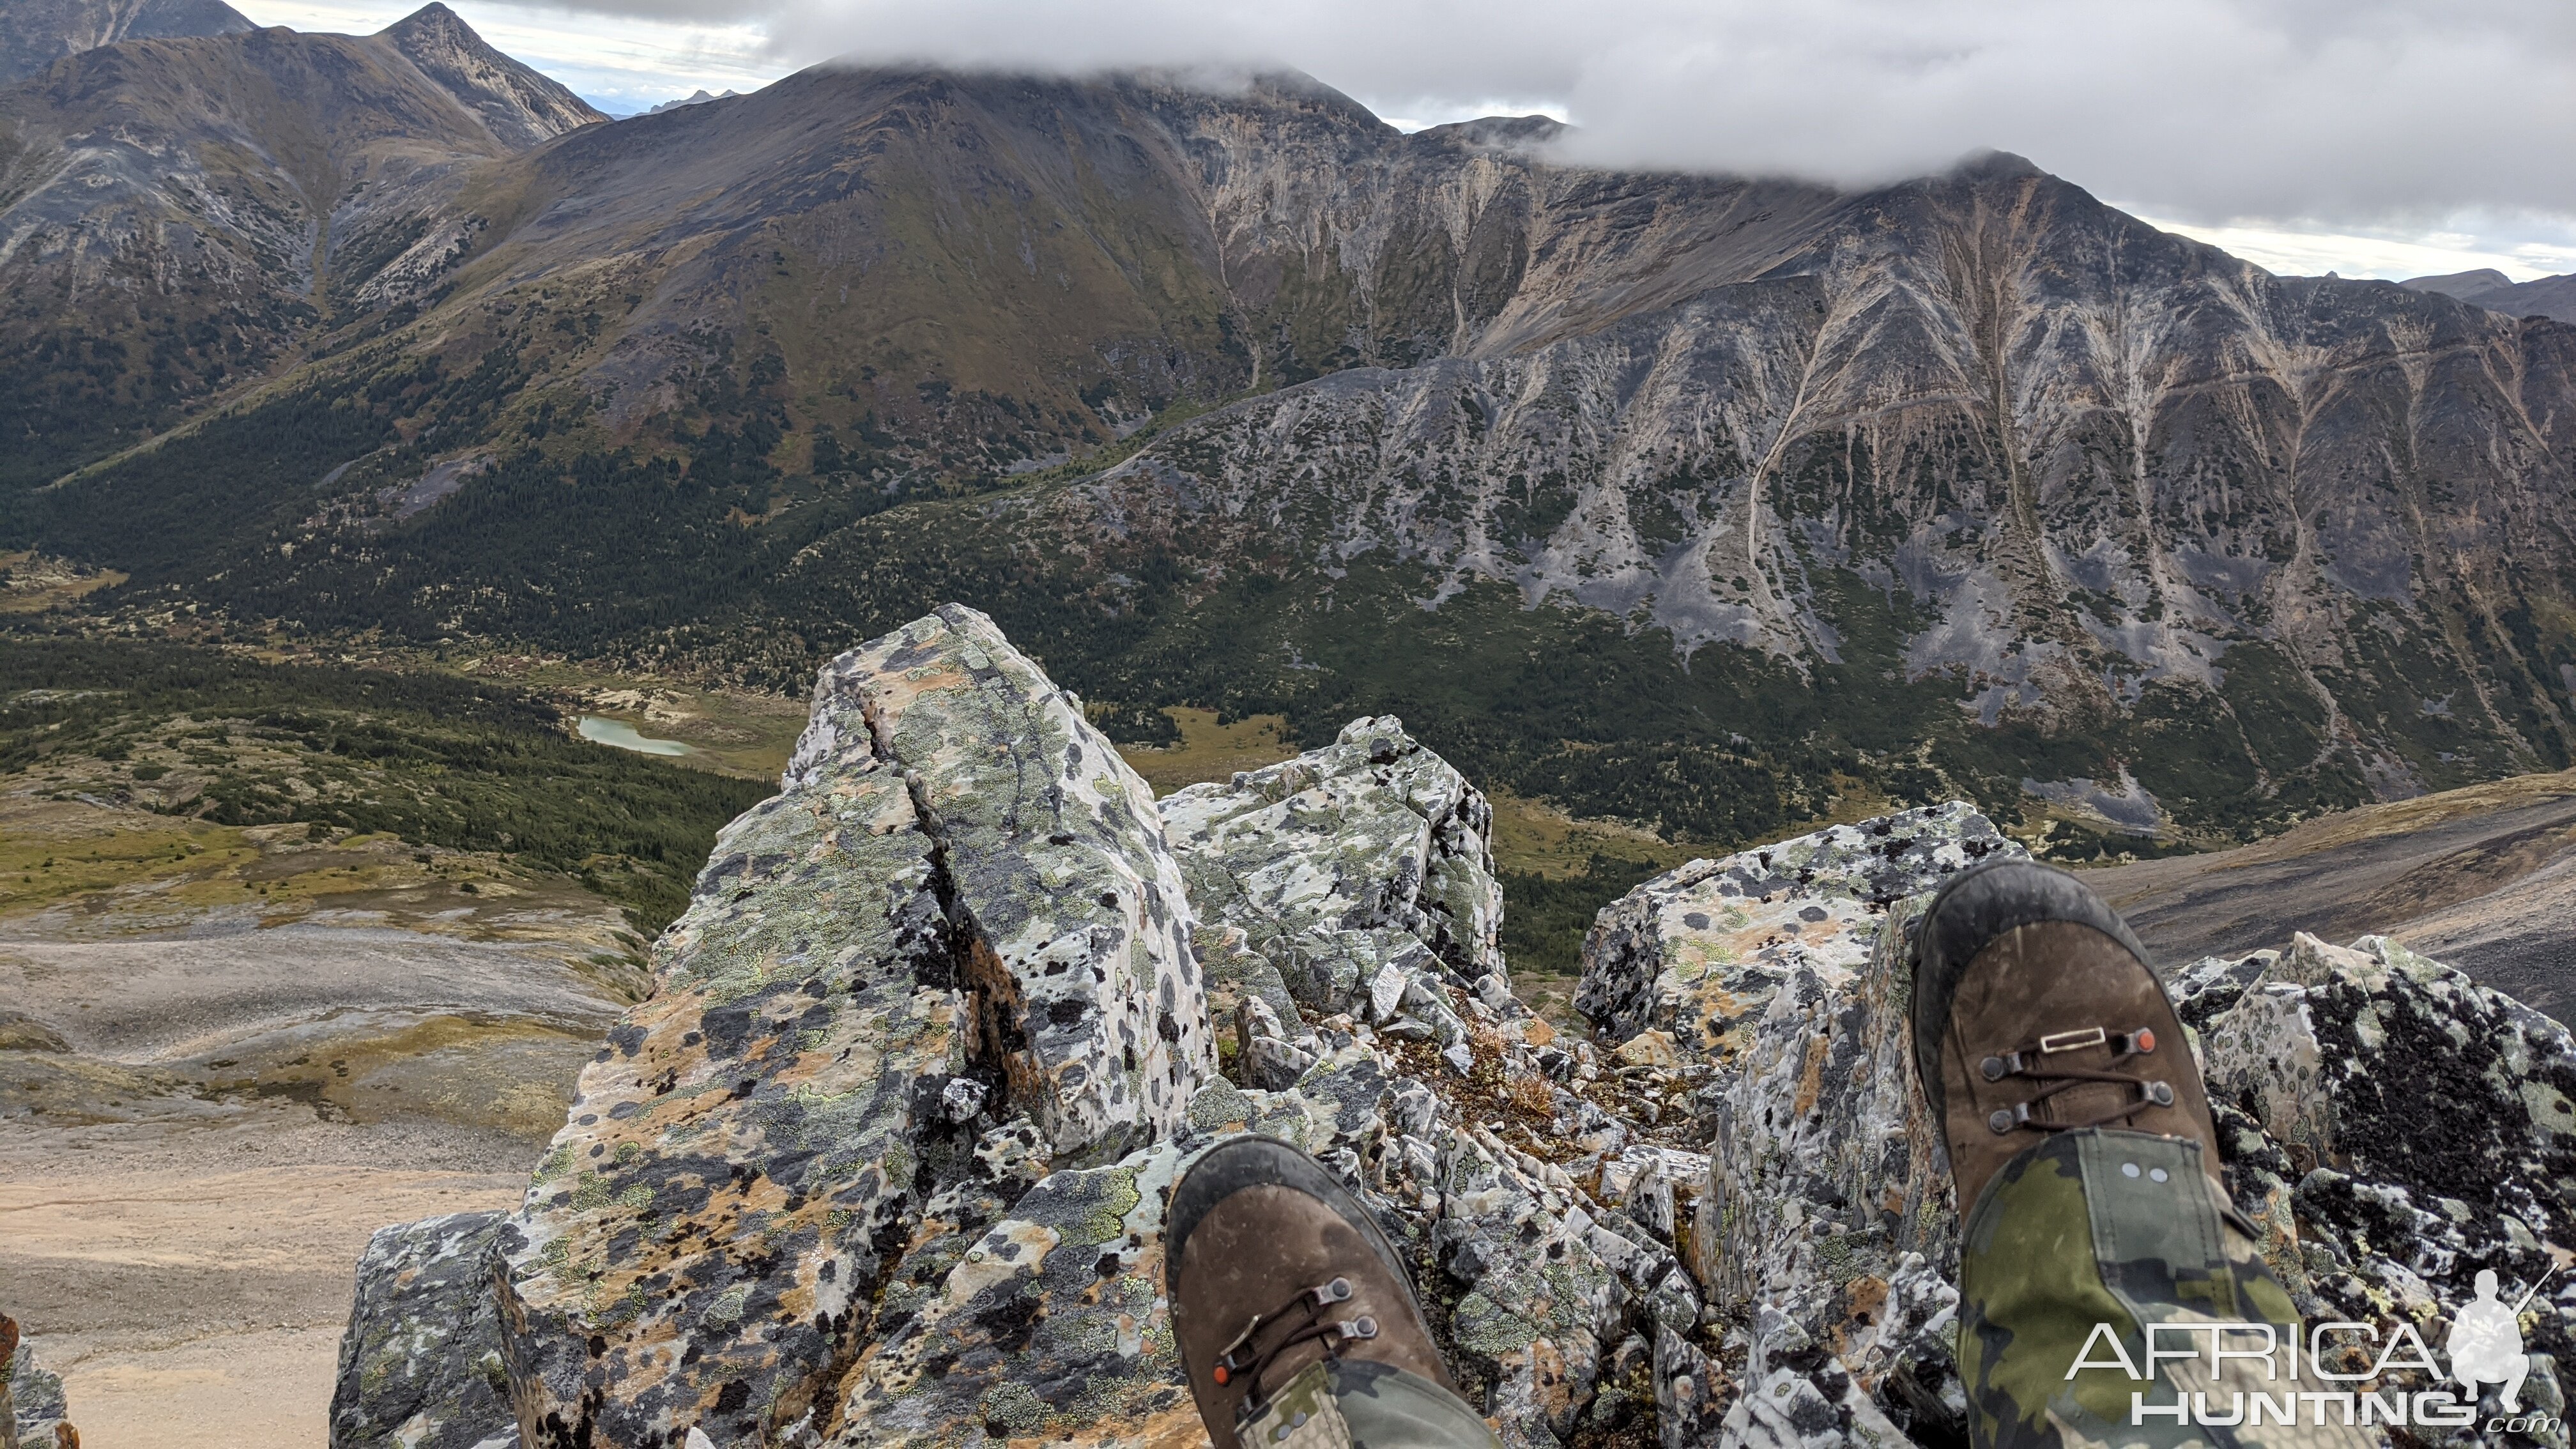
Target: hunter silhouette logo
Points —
{"points": [[2485, 1347], [2486, 1341]]}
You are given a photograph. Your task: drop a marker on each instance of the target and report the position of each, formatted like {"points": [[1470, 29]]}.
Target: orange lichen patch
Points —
{"points": [[1811, 1078], [1864, 1300], [1173, 1428]]}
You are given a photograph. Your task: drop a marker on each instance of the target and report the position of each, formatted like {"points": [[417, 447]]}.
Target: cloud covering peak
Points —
{"points": [[2389, 110]]}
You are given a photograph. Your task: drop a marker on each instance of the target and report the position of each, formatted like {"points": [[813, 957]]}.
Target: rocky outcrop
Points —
{"points": [[1699, 950], [1357, 878], [957, 915], [1075, 921], [2398, 1127], [414, 1369], [853, 1176], [33, 1412]]}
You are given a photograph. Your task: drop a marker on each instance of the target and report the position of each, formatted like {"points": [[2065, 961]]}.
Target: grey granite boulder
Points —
{"points": [[2401, 1128], [420, 1365], [1699, 950], [958, 919], [1369, 858], [1076, 922], [694, 1249], [32, 1405]]}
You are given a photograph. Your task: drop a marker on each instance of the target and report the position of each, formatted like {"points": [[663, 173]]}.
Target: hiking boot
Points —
{"points": [[2034, 1013], [1287, 1301]]}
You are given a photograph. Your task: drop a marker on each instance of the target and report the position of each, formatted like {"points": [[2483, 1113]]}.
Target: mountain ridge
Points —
{"points": [[1964, 485], [180, 213], [2486, 287]]}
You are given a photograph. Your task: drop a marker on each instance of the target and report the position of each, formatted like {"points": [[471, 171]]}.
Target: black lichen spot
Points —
{"points": [[733, 1396], [1009, 1324]]}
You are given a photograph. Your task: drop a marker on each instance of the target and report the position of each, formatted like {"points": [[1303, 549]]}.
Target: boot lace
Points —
{"points": [[2031, 1063], [1304, 1317]]}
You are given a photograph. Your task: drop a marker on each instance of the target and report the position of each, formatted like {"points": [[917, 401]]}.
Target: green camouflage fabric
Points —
{"points": [[1300, 1416], [2124, 1229], [1356, 1404]]}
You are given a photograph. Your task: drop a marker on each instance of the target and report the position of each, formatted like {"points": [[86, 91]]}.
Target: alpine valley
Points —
{"points": [[1695, 502]]}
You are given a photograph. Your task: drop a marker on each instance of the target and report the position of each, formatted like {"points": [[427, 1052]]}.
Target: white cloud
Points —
{"points": [[2314, 250], [2351, 134]]}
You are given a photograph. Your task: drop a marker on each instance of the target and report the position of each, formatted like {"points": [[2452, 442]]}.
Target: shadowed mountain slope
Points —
{"points": [[175, 214], [36, 33]]}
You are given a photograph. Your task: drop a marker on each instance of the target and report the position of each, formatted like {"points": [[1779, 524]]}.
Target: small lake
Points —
{"points": [[618, 734]]}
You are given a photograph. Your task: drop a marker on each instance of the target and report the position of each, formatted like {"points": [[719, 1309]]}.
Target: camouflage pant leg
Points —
{"points": [[2075, 1249], [1361, 1405]]}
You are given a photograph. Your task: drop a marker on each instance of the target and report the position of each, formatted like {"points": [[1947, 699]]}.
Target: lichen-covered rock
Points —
{"points": [[1088, 993], [1050, 1324], [31, 1396], [420, 1365], [1541, 1306], [697, 1246], [1369, 855], [2378, 1060], [1698, 950], [1826, 1184], [2404, 1127], [1053, 1326], [960, 911]]}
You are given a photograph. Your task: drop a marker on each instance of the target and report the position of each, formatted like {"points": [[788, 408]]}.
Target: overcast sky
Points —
{"points": [[2373, 137]]}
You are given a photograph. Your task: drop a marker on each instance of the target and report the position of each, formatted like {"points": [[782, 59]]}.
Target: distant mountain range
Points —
{"points": [[2493, 290], [697, 98], [1689, 500]]}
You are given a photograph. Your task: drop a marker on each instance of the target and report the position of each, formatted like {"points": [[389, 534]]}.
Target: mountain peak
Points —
{"points": [[520, 106], [1996, 166], [432, 18]]}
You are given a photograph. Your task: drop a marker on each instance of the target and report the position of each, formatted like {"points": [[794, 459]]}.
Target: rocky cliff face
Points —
{"points": [[884, 1159]]}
